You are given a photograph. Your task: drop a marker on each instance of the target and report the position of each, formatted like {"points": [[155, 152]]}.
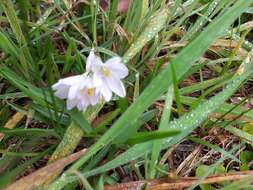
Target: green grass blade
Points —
{"points": [[79, 120], [7, 45], [162, 126], [156, 23], [26, 58], [153, 135]]}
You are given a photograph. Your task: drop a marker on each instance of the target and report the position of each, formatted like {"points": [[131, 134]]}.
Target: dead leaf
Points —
{"points": [[39, 177]]}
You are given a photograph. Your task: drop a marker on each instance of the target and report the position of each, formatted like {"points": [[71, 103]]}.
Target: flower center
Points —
{"points": [[106, 72], [90, 91]]}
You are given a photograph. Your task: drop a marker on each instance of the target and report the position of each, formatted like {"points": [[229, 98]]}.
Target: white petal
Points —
{"points": [[93, 62], [81, 106], [94, 99], [116, 86], [63, 85], [71, 104], [117, 67], [73, 91], [57, 85], [72, 80], [89, 83], [62, 92], [106, 92], [97, 79]]}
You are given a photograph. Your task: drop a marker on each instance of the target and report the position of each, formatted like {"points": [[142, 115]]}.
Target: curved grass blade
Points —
{"points": [[156, 23], [153, 135], [7, 45], [162, 126]]}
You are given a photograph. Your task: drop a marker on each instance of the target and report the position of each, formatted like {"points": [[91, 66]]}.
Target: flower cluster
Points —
{"points": [[98, 82]]}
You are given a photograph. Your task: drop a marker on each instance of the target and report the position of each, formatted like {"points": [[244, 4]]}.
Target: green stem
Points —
{"points": [[72, 137]]}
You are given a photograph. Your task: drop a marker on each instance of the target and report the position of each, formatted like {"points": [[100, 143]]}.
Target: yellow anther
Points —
{"points": [[105, 72], [90, 91]]}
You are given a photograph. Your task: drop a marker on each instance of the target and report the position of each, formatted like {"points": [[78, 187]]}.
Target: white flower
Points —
{"points": [[107, 76], [99, 81], [78, 90], [83, 94]]}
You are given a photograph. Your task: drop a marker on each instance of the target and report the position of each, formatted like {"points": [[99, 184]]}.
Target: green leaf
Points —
{"points": [[240, 133], [246, 156], [29, 132], [28, 89], [7, 46], [201, 171], [153, 135], [162, 126], [248, 128], [155, 24], [80, 120], [106, 120]]}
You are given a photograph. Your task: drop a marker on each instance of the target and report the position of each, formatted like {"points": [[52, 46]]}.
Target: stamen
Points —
{"points": [[106, 72], [90, 91]]}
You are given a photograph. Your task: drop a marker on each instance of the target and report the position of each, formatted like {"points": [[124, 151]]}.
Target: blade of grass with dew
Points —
{"points": [[195, 49], [152, 135], [156, 23], [162, 126], [225, 108], [203, 85], [25, 56], [212, 9], [7, 45], [240, 133], [134, 126]]}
